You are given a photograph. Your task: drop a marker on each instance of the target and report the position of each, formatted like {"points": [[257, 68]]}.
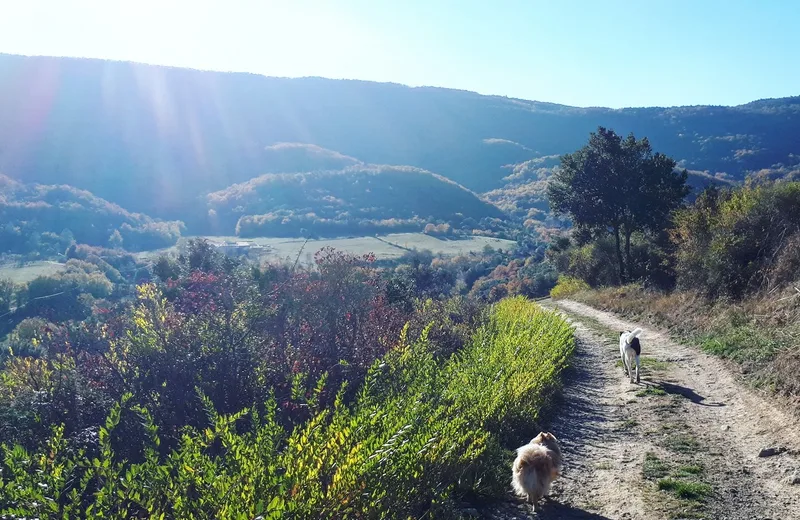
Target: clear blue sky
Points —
{"points": [[585, 53]]}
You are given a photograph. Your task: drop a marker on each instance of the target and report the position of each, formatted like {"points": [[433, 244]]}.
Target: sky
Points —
{"points": [[583, 53]]}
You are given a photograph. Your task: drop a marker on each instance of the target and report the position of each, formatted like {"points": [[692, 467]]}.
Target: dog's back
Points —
{"points": [[630, 339], [536, 466], [636, 346], [629, 350]]}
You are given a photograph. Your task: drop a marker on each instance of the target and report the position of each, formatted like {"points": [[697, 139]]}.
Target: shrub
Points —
{"points": [[419, 434], [567, 286], [736, 242], [593, 259], [7, 294]]}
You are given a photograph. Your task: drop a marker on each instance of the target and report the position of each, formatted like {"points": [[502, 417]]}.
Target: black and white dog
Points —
{"points": [[629, 350]]}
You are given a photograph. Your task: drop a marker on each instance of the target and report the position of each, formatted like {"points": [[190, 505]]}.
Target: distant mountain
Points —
{"points": [[158, 140], [360, 199], [48, 218]]}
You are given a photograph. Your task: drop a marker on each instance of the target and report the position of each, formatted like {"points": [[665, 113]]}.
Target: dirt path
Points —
{"points": [[684, 443]]}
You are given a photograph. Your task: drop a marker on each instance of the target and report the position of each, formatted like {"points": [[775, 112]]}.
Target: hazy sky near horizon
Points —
{"points": [[585, 53]]}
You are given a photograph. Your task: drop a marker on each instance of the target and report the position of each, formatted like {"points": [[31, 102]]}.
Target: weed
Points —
{"points": [[690, 469], [653, 467], [651, 390], [653, 364], [685, 489], [681, 443]]}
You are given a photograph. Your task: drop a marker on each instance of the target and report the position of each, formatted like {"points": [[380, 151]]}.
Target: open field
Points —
{"points": [[29, 271], [384, 247]]}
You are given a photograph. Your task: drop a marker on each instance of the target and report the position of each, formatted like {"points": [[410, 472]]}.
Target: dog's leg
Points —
{"points": [[637, 369], [624, 363], [631, 362], [536, 506]]}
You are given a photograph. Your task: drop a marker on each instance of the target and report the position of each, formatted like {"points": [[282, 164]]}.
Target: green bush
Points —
{"points": [[420, 433], [567, 286], [737, 242], [593, 259]]}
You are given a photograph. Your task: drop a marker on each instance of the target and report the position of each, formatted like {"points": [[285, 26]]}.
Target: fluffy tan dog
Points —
{"points": [[537, 465]]}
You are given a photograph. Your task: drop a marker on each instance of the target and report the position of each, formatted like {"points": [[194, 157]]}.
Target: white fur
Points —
{"points": [[628, 355]]}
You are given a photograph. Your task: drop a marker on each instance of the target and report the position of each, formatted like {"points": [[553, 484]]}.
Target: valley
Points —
{"points": [[229, 295], [386, 247]]}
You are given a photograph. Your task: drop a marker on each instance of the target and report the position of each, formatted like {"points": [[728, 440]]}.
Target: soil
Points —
{"points": [[690, 421]]}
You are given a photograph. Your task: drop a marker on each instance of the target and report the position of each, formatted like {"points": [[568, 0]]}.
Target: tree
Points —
{"points": [[115, 240], [7, 290], [619, 187]]}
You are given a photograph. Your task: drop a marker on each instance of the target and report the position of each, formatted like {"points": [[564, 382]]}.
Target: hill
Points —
{"points": [[157, 140], [39, 218], [360, 199]]}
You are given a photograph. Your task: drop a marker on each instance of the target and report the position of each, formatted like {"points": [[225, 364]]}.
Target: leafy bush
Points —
{"points": [[419, 434], [735, 242], [67, 294], [526, 278], [593, 260], [567, 286]]}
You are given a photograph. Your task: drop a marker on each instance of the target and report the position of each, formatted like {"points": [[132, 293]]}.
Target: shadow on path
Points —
{"points": [[683, 391], [556, 510]]}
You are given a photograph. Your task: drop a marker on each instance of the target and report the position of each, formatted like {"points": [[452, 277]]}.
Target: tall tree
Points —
{"points": [[617, 186]]}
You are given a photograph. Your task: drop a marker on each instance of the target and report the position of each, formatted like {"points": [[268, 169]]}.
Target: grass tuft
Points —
{"points": [[651, 390], [653, 467], [690, 470], [681, 443], [685, 489]]}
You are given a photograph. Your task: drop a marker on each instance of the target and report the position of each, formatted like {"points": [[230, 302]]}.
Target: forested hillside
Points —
{"points": [[46, 219], [156, 139], [359, 199]]}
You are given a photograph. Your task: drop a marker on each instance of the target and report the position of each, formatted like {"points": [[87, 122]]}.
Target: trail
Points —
{"points": [[688, 420]]}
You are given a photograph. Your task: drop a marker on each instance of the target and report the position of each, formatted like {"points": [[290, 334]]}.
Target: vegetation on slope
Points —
{"points": [[207, 414], [46, 219], [740, 242], [353, 201], [301, 157]]}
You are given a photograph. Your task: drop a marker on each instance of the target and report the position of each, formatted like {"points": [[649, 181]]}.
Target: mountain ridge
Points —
{"points": [[398, 84], [157, 139]]}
